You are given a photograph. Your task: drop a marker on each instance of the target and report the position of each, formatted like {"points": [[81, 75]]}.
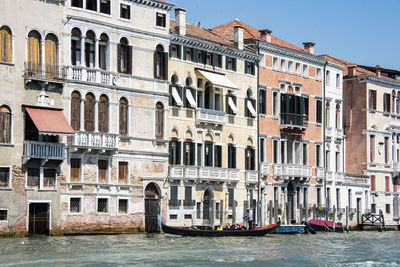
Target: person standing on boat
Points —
{"points": [[250, 212]]}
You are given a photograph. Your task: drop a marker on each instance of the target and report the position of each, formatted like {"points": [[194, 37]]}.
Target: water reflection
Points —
{"points": [[353, 249]]}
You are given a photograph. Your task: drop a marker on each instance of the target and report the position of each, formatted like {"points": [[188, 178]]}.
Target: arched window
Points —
{"points": [[160, 63], [5, 44], [175, 92], [76, 46], [123, 116], [124, 57], [103, 114], [250, 156], [159, 121], [76, 111], [5, 124], [398, 103], [51, 56], [338, 126], [103, 48], [34, 54], [250, 104], [89, 112], [89, 49], [393, 102], [208, 96], [231, 153]]}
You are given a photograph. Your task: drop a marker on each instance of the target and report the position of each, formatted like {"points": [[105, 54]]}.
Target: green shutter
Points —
{"points": [[179, 51], [184, 52], [199, 158], [214, 59], [195, 56], [184, 154], [234, 157], [234, 64], [192, 153], [246, 161], [171, 101], [178, 152], [170, 152]]}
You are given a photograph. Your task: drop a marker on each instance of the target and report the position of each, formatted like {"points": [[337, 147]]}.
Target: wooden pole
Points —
{"points": [[301, 212], [276, 211], [270, 211], [347, 218], [306, 216], [314, 211], [287, 213], [334, 217]]}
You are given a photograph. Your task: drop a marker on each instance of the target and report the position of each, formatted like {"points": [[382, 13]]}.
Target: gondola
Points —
{"points": [[325, 226], [215, 233]]}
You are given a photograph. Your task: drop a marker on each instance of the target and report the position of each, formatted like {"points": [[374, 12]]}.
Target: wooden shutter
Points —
{"points": [[102, 167], [5, 45], [159, 121], [7, 128], [374, 99], [51, 58], [119, 58], [123, 172], [192, 153], [123, 117], [75, 170], [372, 182], [165, 66], [2, 128], [155, 64], [395, 184], [129, 61], [89, 113], [103, 114], [178, 152], [75, 111], [387, 189]]}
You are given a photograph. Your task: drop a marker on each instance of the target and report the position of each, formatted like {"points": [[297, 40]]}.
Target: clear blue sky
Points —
{"points": [[366, 32]]}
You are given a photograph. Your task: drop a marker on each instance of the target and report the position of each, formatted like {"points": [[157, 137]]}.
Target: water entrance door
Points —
{"points": [[151, 208], [39, 218], [290, 199]]}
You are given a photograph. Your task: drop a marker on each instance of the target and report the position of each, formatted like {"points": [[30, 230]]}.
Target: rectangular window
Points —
{"points": [[161, 20], [275, 62], [49, 178], [337, 161], [125, 11], [174, 152], [231, 194], [386, 103], [328, 77], [188, 193], [305, 70], [328, 160], [249, 68], [319, 111], [372, 182], [318, 73], [175, 51], [102, 205], [349, 198], [386, 150], [3, 215], [33, 177], [75, 172], [275, 151], [250, 158], [209, 58], [230, 63], [338, 80], [275, 103], [318, 155], [231, 156], [373, 208], [77, 3], [189, 153], [200, 56], [91, 5], [298, 68], [318, 196], [395, 184], [218, 156], [173, 192], [4, 176], [305, 197], [283, 65], [198, 210], [102, 171], [338, 198], [387, 186], [262, 149], [263, 101], [199, 155], [328, 197], [372, 99], [283, 151], [372, 148], [75, 205], [188, 54], [305, 154], [123, 206], [290, 66], [105, 6], [208, 155], [387, 207], [122, 172]]}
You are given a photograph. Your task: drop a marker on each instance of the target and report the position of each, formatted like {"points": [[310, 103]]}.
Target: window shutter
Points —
{"points": [[155, 64], [184, 52], [253, 69], [233, 157], [253, 158], [214, 60], [165, 66], [374, 99], [185, 154], [119, 58], [195, 55], [129, 67], [230, 156], [192, 153], [246, 68], [75, 113], [171, 155], [2, 128], [178, 152], [246, 159], [171, 100], [246, 112], [234, 64], [178, 47]]}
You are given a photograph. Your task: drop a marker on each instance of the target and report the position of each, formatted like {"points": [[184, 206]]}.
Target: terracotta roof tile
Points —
{"points": [[226, 30]]}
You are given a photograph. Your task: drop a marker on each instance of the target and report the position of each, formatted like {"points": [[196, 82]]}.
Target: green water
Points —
{"points": [[325, 249]]}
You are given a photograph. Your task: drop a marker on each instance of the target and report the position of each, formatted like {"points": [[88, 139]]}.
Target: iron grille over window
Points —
{"points": [[75, 205], [3, 215], [4, 176], [123, 206], [102, 205]]}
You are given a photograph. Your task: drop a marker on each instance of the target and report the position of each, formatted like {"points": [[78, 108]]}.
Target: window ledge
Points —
{"points": [[7, 63], [6, 145], [47, 190], [5, 189], [160, 27], [75, 214]]}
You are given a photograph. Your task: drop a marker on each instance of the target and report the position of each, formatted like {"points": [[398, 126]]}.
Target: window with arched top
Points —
{"points": [[208, 96], [160, 63], [5, 124], [34, 53], [103, 114], [176, 93], [89, 112], [250, 157], [76, 111], [103, 51], [250, 104], [124, 57], [51, 56], [123, 116], [231, 153], [159, 125], [90, 49], [76, 36], [393, 101], [338, 115], [5, 44], [398, 103]]}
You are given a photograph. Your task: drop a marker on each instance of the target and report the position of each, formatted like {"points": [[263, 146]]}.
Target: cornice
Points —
{"points": [[197, 42], [155, 3], [379, 80]]}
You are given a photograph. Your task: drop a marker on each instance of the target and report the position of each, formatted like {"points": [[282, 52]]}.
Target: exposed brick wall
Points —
{"points": [[18, 180]]}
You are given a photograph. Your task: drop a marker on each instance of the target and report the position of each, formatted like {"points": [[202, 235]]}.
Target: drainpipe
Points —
{"points": [[324, 129], [258, 136]]}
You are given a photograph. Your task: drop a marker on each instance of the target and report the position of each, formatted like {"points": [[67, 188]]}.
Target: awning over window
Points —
{"points": [[190, 98], [232, 105], [49, 121], [218, 80], [176, 96], [251, 108]]}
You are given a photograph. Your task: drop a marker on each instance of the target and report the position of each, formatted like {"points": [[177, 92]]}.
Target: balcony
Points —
{"points": [[293, 121], [233, 175], [395, 166], [189, 203], [251, 177], [94, 140], [264, 168], [178, 172], [356, 180], [175, 203], [183, 172], [294, 170], [210, 116], [79, 73], [320, 173], [213, 174], [44, 72], [43, 151]]}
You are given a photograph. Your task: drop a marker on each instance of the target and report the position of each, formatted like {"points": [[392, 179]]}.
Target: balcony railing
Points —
{"points": [[94, 140], [211, 116], [264, 168], [204, 173], [189, 203], [292, 120], [44, 150], [213, 174], [174, 203], [251, 177], [356, 179], [233, 175], [44, 71], [79, 73], [320, 173], [395, 166], [292, 170]]}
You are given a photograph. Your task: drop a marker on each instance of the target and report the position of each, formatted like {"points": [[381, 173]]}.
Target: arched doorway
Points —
{"points": [[208, 204], [291, 203], [151, 208]]}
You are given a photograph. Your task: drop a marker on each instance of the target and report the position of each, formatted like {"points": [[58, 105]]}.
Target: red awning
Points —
{"points": [[49, 121]]}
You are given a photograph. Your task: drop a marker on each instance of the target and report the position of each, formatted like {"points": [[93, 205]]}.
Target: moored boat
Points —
{"points": [[291, 229], [325, 226], [219, 233]]}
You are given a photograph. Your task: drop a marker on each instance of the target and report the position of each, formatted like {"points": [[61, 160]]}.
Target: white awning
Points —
{"points": [[251, 108], [232, 105], [218, 80], [190, 98], [176, 96]]}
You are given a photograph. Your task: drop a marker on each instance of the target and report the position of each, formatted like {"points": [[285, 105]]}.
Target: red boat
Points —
{"points": [[325, 226]]}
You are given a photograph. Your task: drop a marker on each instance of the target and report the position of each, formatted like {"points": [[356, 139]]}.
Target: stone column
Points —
{"points": [[82, 115], [83, 50], [43, 57], [96, 115]]}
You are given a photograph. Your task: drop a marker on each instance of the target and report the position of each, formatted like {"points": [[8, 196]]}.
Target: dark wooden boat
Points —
{"points": [[325, 226], [215, 233]]}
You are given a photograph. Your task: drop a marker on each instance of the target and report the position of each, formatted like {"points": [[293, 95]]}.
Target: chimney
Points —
{"points": [[180, 21], [265, 35], [238, 31], [351, 69], [309, 47], [378, 70]]}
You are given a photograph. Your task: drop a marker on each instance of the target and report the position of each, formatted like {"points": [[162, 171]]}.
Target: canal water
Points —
{"points": [[325, 249]]}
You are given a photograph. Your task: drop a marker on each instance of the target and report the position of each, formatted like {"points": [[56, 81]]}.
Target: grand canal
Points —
{"points": [[352, 249]]}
